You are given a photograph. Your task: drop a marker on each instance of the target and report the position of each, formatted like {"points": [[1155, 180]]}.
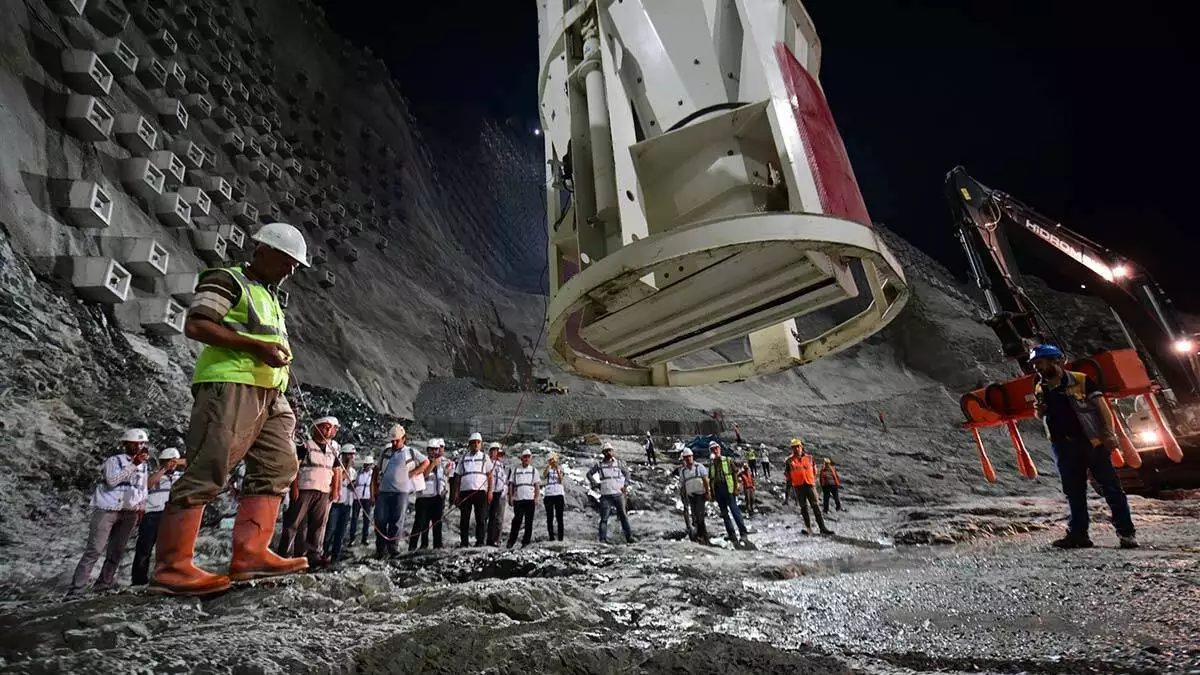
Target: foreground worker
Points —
{"points": [[801, 478], [239, 412], [695, 492], [364, 502], [1082, 435], [117, 500], [499, 475], [341, 507], [159, 485], [401, 473], [524, 487], [831, 485], [316, 488], [473, 491], [613, 476], [554, 497], [722, 477], [430, 501]]}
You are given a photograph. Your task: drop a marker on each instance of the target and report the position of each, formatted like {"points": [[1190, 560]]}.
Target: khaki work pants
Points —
{"points": [[231, 422]]}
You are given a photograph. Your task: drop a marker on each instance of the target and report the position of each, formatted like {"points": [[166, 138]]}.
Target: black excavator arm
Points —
{"points": [[985, 221]]}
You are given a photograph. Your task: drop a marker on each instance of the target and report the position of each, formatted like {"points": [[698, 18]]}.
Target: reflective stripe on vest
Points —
{"points": [[499, 477], [316, 472], [469, 470], [524, 472], [1090, 418], [257, 315], [720, 471]]}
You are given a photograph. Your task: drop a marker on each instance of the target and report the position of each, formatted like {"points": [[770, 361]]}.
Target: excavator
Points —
{"points": [[1152, 385]]}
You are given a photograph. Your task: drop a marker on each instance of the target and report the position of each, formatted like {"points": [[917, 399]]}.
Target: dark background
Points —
{"points": [[1086, 114]]}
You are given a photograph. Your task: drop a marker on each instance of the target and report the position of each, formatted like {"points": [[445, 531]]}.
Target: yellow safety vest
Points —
{"points": [[1090, 418], [257, 315]]}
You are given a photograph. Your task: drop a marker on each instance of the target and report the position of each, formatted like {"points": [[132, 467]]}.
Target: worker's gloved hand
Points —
{"points": [[274, 355]]}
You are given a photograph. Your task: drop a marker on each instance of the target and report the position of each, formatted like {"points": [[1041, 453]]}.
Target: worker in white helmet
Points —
{"points": [[364, 500], [554, 496], [339, 509], [498, 502], [524, 488], [117, 500], [316, 487], [613, 477], [430, 502], [694, 491], [239, 411], [473, 490], [401, 473], [170, 468], [765, 460]]}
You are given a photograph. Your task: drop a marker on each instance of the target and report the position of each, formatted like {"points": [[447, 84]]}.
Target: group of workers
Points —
{"points": [[241, 416], [332, 494]]}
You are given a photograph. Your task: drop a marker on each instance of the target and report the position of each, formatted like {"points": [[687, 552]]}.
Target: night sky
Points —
{"points": [[1086, 114]]}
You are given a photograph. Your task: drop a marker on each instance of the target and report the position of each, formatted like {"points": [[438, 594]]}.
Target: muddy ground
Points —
{"points": [[996, 600]]}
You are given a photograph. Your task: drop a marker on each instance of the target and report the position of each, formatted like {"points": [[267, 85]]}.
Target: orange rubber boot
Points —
{"points": [[252, 530], [174, 572]]}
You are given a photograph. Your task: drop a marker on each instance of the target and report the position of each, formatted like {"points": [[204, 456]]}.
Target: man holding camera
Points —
{"points": [[117, 501]]}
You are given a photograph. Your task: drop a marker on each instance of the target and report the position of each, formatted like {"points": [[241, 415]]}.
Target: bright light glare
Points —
{"points": [[1185, 346], [537, 132], [1120, 272], [1148, 436]]}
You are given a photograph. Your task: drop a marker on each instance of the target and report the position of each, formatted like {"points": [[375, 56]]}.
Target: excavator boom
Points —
{"points": [[1161, 357]]}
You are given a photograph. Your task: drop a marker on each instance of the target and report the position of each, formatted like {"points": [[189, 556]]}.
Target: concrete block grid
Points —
{"points": [[116, 129]]}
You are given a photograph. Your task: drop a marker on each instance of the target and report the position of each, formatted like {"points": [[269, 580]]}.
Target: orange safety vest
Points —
{"points": [[747, 479], [829, 476], [800, 471]]}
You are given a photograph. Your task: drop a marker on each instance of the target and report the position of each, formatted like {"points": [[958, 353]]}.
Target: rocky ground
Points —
{"points": [[964, 587]]}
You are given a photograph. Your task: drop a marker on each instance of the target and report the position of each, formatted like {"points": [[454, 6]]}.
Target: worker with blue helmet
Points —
{"points": [[1082, 434]]}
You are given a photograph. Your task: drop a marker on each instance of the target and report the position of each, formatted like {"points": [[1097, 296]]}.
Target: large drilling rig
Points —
{"points": [[698, 192]]}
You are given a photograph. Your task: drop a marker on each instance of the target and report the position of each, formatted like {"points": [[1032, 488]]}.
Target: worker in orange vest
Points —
{"points": [[746, 476], [831, 483], [802, 479]]}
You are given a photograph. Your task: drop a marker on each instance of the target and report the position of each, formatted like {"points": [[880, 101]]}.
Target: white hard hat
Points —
{"points": [[398, 432], [475, 437], [135, 436], [762, 446], [369, 459], [285, 239], [527, 453], [328, 419], [607, 446], [348, 449], [686, 452], [714, 444], [494, 446], [169, 453], [437, 442]]}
